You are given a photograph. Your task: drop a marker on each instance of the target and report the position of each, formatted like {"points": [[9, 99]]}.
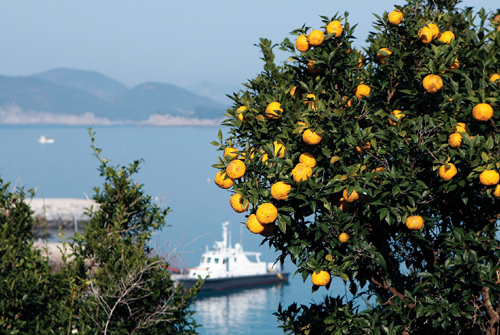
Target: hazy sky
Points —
{"points": [[179, 42]]}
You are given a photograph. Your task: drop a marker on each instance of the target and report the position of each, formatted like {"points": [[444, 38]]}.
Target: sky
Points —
{"points": [[178, 42]]}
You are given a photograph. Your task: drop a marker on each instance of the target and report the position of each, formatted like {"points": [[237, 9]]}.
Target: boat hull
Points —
{"points": [[217, 284]]}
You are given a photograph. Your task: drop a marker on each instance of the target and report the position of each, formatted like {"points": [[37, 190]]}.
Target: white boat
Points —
{"points": [[44, 139], [230, 267]]}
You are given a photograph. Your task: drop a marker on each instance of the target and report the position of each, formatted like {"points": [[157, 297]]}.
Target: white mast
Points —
{"points": [[224, 234]]}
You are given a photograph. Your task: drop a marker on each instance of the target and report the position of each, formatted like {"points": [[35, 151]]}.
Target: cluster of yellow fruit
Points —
{"points": [[455, 139], [316, 37], [481, 112], [235, 170], [262, 222], [431, 83], [487, 177]]}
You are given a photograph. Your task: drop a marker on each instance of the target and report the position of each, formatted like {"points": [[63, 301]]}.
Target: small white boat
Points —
{"points": [[44, 139], [227, 267]]}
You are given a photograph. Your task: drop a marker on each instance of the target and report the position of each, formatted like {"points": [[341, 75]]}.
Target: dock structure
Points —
{"points": [[65, 212]]}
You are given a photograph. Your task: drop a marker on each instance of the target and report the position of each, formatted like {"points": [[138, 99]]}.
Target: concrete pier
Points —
{"points": [[65, 212]]}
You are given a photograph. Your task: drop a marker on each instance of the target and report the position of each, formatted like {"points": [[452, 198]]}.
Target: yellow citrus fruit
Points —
{"points": [[494, 77], [320, 279], [414, 222], [334, 27], [363, 149], [455, 65], [254, 225], [236, 169], [235, 203], [395, 17], [268, 230], [344, 237], [343, 205], [447, 171], [311, 137], [461, 128], [498, 28], [271, 110], [279, 149], [307, 159], [360, 61], [302, 124], [496, 18], [316, 37], [434, 29], [267, 213], [240, 114], [302, 43], [432, 83], [425, 35], [280, 190], [231, 152], [455, 140], [221, 182], [264, 157], [379, 169], [397, 113], [310, 101], [301, 172], [446, 37], [489, 177], [362, 91], [381, 56], [293, 90], [496, 192], [482, 112], [351, 197], [311, 68]]}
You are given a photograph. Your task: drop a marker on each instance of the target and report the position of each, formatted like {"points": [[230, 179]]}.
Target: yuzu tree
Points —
{"points": [[422, 241]]}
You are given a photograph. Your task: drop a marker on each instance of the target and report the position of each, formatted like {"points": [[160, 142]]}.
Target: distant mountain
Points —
{"points": [[161, 98], [74, 92], [87, 81], [215, 92], [32, 93]]}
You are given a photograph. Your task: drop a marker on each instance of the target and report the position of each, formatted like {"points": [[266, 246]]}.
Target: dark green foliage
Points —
{"points": [[113, 282], [32, 298], [442, 278]]}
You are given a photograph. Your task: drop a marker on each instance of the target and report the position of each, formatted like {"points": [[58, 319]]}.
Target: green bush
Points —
{"points": [[112, 281]]}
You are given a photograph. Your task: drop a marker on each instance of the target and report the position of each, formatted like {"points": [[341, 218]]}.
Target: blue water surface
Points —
{"points": [[177, 171]]}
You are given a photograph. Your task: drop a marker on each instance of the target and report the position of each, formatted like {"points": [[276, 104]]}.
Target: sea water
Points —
{"points": [[176, 171]]}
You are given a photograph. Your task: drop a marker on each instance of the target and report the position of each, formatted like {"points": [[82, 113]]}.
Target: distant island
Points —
{"points": [[76, 97]]}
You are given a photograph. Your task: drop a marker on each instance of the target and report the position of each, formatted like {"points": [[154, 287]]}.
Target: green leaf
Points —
{"points": [[282, 224], [425, 275], [344, 276]]}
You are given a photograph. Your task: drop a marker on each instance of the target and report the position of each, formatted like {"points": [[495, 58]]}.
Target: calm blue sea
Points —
{"points": [[177, 168]]}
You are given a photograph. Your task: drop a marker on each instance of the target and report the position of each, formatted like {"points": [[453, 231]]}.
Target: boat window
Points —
{"points": [[224, 261], [208, 259], [235, 259], [202, 259], [216, 260]]}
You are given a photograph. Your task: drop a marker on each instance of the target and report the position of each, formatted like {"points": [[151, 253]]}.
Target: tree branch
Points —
{"points": [[383, 284], [494, 318]]}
